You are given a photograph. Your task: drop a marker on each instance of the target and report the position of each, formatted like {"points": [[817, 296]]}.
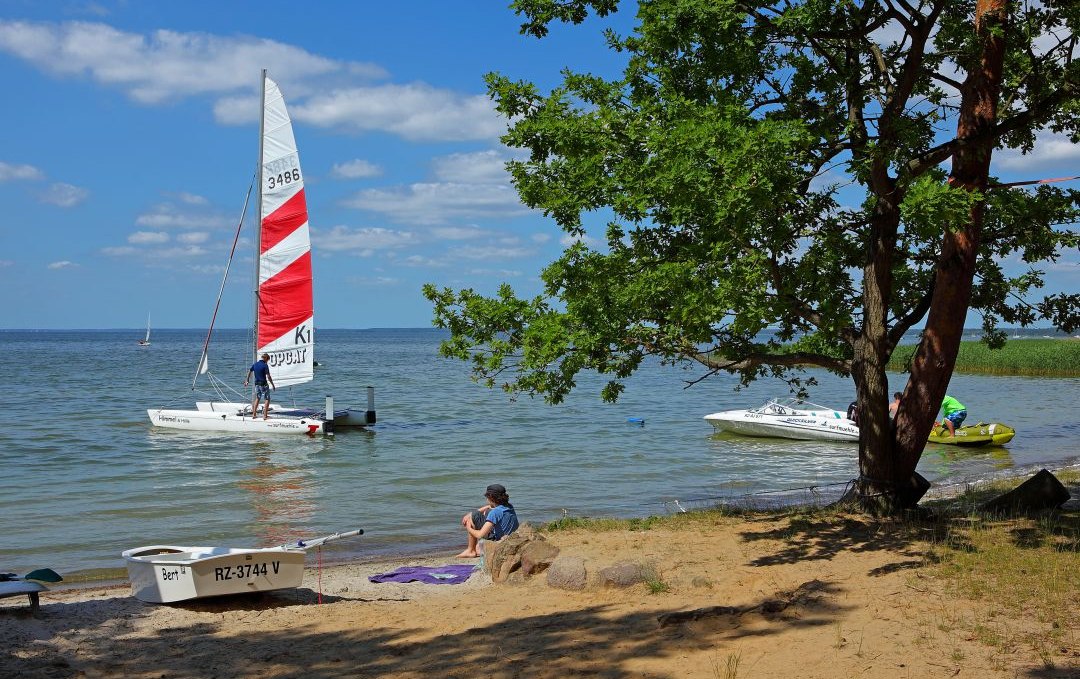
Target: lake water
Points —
{"points": [[85, 476]]}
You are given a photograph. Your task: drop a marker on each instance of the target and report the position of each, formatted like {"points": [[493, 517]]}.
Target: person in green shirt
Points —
{"points": [[955, 414]]}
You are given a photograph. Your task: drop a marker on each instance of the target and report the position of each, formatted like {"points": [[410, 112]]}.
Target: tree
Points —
{"points": [[779, 166]]}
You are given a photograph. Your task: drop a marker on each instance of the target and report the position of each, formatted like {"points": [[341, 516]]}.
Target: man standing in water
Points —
{"points": [[263, 384], [955, 414]]}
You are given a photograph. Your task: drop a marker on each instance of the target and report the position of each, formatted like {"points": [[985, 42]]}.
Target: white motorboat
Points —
{"points": [[789, 419], [166, 573]]}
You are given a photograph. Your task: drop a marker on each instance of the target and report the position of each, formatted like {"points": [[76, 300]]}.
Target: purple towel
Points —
{"points": [[432, 575]]}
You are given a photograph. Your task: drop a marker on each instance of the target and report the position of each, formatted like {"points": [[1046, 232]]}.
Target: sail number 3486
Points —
{"points": [[283, 178]]}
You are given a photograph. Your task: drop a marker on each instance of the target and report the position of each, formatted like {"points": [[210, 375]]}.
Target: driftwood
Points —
{"points": [[1042, 491], [783, 599]]}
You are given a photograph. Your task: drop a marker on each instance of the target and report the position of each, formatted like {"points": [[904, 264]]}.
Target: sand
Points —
{"points": [[807, 599]]}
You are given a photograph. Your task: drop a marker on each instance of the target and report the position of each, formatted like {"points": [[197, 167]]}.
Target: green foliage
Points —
{"points": [[725, 155], [1027, 357]]}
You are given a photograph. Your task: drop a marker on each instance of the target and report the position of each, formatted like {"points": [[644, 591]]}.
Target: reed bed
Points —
{"points": [[1021, 357]]}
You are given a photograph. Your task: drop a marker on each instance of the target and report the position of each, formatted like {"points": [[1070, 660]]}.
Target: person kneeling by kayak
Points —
{"points": [[493, 521], [955, 414]]}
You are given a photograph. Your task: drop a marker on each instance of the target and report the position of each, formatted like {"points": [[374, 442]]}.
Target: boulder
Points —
{"points": [[505, 556], [537, 556], [1042, 491], [623, 574], [567, 572]]}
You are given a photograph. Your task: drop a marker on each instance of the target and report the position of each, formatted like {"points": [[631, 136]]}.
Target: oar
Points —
{"points": [[40, 575], [318, 542]]}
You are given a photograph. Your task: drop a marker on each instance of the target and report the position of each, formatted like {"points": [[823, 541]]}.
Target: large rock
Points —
{"points": [[623, 574], [1042, 491], [567, 572], [537, 556], [505, 556]]}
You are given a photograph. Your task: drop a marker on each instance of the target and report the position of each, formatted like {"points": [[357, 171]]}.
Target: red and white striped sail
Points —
{"points": [[284, 308]]}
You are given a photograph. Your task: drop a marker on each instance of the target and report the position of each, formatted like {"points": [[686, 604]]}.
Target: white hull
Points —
{"points": [[790, 420], [347, 417], [232, 420], [164, 573]]}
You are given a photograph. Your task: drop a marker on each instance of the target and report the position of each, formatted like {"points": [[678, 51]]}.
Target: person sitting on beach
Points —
{"points": [[955, 414], [493, 521]]}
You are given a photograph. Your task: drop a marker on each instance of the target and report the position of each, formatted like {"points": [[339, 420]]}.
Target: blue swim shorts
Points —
{"points": [[957, 418], [262, 391]]}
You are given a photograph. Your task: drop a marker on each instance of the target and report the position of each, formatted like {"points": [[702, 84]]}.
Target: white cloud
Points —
{"points": [[65, 264], [566, 240], [191, 198], [417, 112], [363, 241], [355, 169], [168, 216], [482, 167], [438, 203], [178, 252], [6, 263], [193, 237], [148, 237], [421, 261], [458, 232], [503, 273], [489, 252], [1050, 150], [64, 195], [168, 65], [9, 172], [540, 237]]}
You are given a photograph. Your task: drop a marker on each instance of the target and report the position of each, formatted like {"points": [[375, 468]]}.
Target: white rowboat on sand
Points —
{"points": [[167, 573]]}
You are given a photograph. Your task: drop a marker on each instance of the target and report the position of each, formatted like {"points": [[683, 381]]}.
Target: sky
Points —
{"points": [[129, 137]]}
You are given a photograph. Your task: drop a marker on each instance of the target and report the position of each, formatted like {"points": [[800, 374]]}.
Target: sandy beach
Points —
{"points": [[806, 597]]}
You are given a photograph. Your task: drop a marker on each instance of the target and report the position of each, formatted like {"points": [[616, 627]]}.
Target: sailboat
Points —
{"points": [[145, 342], [283, 304]]}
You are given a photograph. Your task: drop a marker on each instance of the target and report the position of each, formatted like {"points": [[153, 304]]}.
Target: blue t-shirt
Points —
{"points": [[261, 370], [504, 520]]}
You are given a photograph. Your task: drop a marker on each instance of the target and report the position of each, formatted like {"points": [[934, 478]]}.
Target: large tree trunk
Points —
{"points": [[888, 455], [933, 364], [880, 478]]}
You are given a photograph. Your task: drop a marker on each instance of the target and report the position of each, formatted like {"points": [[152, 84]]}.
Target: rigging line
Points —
{"points": [[1031, 181], [217, 305]]}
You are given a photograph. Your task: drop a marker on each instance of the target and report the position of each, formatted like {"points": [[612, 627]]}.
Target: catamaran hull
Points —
{"points": [[230, 420], [165, 573], [346, 417], [798, 427]]}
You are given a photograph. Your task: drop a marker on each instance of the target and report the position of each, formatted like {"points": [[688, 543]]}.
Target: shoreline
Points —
{"points": [[755, 595], [117, 577]]}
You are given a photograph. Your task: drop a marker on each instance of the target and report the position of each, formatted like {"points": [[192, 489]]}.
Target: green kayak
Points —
{"points": [[981, 434]]}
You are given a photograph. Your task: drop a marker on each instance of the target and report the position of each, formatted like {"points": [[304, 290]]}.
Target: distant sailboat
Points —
{"points": [[145, 342]]}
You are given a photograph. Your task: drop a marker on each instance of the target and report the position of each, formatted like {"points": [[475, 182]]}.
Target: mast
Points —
{"points": [[258, 226]]}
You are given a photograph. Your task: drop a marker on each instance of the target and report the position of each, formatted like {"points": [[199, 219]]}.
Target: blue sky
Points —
{"points": [[129, 138]]}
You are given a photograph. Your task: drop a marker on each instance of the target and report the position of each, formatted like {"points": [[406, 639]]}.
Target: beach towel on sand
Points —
{"points": [[432, 575]]}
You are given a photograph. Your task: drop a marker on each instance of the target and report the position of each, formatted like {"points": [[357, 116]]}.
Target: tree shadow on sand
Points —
{"points": [[591, 641], [822, 538]]}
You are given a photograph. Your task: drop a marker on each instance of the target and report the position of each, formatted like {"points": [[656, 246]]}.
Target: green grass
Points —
{"points": [[1023, 570], [1025, 357]]}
